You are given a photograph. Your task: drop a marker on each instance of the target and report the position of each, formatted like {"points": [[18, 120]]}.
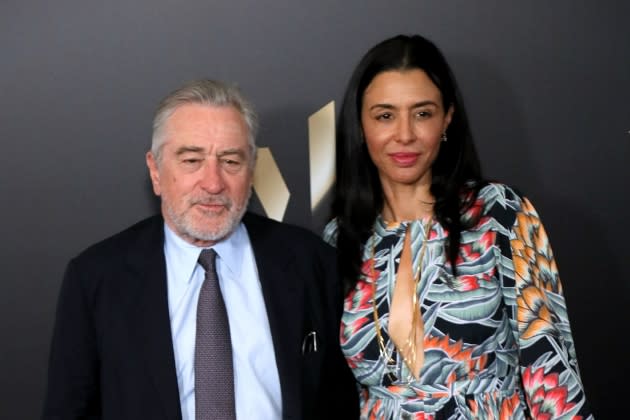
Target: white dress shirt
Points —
{"points": [[256, 381]]}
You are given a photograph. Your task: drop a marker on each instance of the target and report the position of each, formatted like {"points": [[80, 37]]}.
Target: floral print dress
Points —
{"points": [[497, 340]]}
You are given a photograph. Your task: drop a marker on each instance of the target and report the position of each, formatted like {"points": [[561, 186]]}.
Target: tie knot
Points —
{"points": [[207, 259]]}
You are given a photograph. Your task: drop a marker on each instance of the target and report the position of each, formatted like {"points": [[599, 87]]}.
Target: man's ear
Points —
{"points": [[154, 172]]}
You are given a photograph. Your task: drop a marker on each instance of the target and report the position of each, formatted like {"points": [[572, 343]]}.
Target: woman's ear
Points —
{"points": [[448, 117]]}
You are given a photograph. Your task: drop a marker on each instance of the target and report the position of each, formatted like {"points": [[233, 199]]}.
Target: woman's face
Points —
{"points": [[403, 119]]}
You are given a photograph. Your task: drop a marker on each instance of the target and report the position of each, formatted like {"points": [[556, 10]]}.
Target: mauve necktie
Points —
{"points": [[214, 374]]}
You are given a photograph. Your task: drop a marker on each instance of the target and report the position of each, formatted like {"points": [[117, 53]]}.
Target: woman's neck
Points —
{"points": [[407, 202]]}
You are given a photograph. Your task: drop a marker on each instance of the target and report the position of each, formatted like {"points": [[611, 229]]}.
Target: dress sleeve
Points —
{"points": [[330, 233], [548, 363]]}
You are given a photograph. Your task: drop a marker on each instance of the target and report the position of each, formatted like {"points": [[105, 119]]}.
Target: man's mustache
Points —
{"points": [[212, 201]]}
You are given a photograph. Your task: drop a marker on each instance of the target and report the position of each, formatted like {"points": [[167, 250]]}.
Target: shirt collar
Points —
{"points": [[229, 250]]}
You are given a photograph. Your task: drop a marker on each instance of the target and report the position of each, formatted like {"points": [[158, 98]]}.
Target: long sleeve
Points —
{"points": [[73, 367], [548, 363]]}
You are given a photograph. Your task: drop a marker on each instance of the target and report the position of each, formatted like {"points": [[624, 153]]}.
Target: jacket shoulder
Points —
{"points": [[263, 226], [120, 243]]}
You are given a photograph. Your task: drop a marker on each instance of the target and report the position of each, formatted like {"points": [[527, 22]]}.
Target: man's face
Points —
{"points": [[203, 175]]}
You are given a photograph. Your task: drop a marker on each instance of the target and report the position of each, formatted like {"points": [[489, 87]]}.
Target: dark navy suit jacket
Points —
{"points": [[112, 356]]}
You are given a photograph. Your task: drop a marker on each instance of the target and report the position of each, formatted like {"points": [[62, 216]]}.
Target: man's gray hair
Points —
{"points": [[204, 92]]}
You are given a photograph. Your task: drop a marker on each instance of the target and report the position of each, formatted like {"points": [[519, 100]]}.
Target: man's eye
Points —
{"points": [[191, 161], [231, 164]]}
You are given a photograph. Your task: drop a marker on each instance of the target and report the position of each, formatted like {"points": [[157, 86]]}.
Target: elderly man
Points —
{"points": [[205, 311]]}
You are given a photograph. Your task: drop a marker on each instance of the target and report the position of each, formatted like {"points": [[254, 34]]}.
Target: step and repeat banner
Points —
{"points": [[546, 85]]}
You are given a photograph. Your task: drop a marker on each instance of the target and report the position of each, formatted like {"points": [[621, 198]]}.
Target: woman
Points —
{"points": [[454, 307]]}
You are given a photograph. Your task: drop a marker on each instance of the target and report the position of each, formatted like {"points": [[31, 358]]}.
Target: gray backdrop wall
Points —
{"points": [[546, 84]]}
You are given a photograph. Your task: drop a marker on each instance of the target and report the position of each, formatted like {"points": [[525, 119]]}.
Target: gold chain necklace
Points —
{"points": [[410, 344]]}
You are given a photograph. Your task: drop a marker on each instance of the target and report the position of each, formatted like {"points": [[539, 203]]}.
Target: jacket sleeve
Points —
{"points": [[339, 396], [72, 389], [548, 363]]}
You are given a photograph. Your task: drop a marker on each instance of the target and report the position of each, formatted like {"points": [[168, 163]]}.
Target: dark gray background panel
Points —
{"points": [[546, 85]]}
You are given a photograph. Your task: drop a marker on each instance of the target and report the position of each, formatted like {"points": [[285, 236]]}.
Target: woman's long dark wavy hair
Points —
{"points": [[358, 196]]}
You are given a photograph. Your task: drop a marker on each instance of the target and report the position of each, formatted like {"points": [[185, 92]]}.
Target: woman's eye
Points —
{"points": [[423, 114], [384, 116]]}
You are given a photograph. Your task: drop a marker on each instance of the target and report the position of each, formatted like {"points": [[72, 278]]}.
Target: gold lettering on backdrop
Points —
{"points": [[321, 148], [269, 185]]}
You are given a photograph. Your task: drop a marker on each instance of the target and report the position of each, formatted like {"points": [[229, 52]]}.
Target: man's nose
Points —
{"points": [[212, 177]]}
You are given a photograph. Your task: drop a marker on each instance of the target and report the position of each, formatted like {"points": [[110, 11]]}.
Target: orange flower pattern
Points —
{"points": [[497, 341]]}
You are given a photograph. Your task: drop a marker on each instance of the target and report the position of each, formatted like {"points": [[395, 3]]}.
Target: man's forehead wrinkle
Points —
{"points": [[214, 149]]}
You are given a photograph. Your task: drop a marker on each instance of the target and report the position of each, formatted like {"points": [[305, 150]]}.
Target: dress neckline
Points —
{"points": [[382, 226]]}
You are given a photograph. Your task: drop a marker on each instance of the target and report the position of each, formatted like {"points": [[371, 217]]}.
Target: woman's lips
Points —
{"points": [[405, 159]]}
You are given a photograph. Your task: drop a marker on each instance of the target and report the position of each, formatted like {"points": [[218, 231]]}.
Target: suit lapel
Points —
{"points": [[284, 299], [283, 294], [149, 314]]}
